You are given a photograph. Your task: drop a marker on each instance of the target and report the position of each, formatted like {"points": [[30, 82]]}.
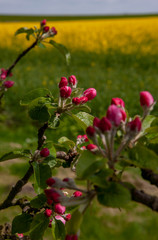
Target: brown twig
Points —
{"points": [[148, 174]]}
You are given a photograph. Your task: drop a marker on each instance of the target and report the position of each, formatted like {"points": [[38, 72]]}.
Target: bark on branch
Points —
{"points": [[148, 174]]}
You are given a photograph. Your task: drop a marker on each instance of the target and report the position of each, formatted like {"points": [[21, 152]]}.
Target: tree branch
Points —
{"points": [[148, 174]]}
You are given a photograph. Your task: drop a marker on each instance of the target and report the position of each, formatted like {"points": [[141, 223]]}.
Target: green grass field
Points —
{"points": [[113, 74]]}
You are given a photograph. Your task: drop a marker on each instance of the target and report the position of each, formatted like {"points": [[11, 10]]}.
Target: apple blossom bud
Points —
{"points": [[135, 125], [66, 179], [8, 84], [74, 237], [68, 217], [44, 152], [72, 81], [59, 208], [20, 235], [50, 181], [54, 31], [77, 194], [43, 22], [49, 201], [114, 115], [81, 100], [46, 29], [83, 148], [65, 92], [124, 115], [96, 122], [3, 74], [146, 99], [85, 138], [48, 212], [50, 223], [90, 131], [105, 124], [79, 136], [118, 102], [91, 147], [68, 237], [63, 82], [90, 93], [58, 217], [53, 195]]}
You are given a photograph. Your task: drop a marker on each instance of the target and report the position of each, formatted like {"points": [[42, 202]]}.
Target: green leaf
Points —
{"points": [[83, 119], [59, 230], [83, 108], [113, 195], [147, 122], [39, 92], [69, 144], [51, 159], [41, 173], [73, 225], [21, 223], [39, 201], [38, 110], [77, 92], [38, 226], [21, 30], [41, 45], [15, 154], [63, 50], [100, 178], [144, 158]]}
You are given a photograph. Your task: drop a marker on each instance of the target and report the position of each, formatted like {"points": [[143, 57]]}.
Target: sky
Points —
{"points": [[77, 7]]}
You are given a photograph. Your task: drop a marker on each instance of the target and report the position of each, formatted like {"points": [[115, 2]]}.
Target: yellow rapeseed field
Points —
{"points": [[126, 34]]}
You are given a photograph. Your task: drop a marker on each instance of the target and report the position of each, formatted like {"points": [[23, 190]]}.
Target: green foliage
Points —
{"points": [[39, 224], [113, 195], [58, 230], [21, 223], [83, 119], [28, 31], [39, 201], [15, 154], [100, 178], [73, 225], [67, 143]]}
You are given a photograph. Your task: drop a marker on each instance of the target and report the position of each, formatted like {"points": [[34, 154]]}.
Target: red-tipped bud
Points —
{"points": [[8, 84], [49, 201], [44, 152], [54, 31], [63, 82], [118, 102], [3, 74], [85, 138], [83, 148], [90, 131], [50, 181], [48, 212], [58, 217], [81, 100], [43, 22], [77, 194], [124, 115], [105, 124], [90, 93], [146, 99], [91, 147], [66, 179], [59, 208], [65, 92], [53, 195], [79, 136], [50, 223], [20, 235], [72, 80], [135, 125], [68, 217], [46, 29], [96, 122], [114, 115], [68, 237]]}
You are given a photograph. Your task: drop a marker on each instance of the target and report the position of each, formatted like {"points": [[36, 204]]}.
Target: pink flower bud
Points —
{"points": [[83, 148], [105, 124], [96, 122], [114, 115], [43, 22], [58, 217], [54, 31], [20, 235], [63, 82], [59, 208], [146, 99], [68, 237], [53, 195], [81, 100], [68, 217], [135, 125], [50, 181], [44, 152], [118, 102], [66, 179], [91, 147], [90, 131], [77, 194], [124, 116], [50, 223], [85, 138], [65, 92], [3, 74], [72, 80], [90, 93], [79, 136], [8, 84], [49, 201], [46, 29], [48, 212]]}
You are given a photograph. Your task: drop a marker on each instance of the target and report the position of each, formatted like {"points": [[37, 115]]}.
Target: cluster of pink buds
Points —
{"points": [[47, 31], [116, 119], [71, 237], [68, 88], [5, 83]]}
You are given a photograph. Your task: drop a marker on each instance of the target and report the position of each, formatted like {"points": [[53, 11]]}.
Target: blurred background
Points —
{"points": [[114, 48]]}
